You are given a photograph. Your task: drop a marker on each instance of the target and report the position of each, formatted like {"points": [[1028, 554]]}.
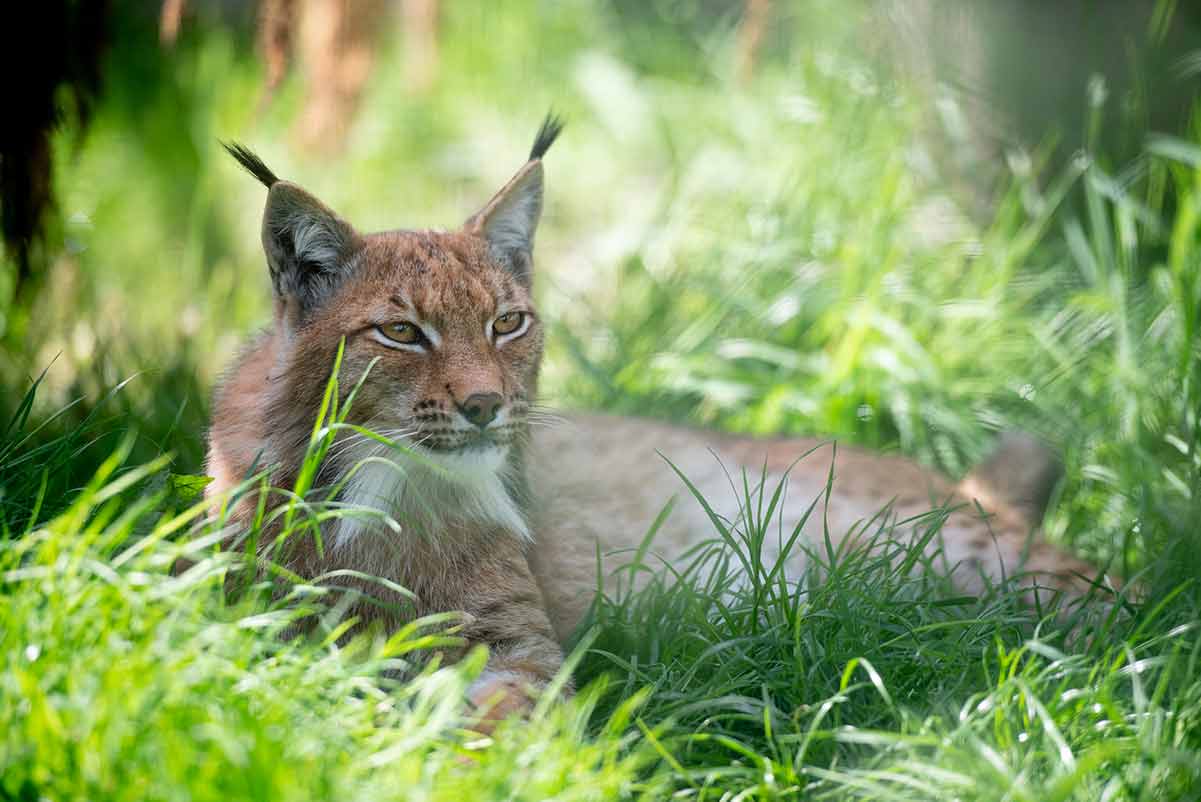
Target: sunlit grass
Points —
{"points": [[124, 679]]}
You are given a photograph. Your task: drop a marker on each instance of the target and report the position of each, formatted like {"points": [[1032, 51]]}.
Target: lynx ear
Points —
{"points": [[308, 246], [510, 219], [508, 222]]}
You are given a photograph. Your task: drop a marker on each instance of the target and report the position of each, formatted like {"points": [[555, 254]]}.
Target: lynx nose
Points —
{"points": [[481, 408]]}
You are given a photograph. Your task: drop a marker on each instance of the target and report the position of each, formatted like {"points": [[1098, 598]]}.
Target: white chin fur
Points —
{"points": [[472, 467], [459, 487]]}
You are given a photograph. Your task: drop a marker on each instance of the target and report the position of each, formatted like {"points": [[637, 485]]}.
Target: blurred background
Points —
{"points": [[906, 224]]}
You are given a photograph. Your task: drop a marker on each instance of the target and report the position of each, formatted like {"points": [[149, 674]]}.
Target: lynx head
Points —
{"points": [[445, 320]]}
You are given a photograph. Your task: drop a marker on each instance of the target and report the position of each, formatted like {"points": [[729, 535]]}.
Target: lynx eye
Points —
{"points": [[508, 323], [403, 333]]}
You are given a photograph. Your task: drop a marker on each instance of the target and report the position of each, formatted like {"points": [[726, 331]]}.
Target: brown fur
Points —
{"points": [[592, 482], [602, 480]]}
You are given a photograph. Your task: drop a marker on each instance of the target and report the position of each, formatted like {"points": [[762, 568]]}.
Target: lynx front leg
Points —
{"points": [[509, 617]]}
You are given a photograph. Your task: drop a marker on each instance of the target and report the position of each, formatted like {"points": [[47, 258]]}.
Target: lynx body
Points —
{"points": [[479, 512]]}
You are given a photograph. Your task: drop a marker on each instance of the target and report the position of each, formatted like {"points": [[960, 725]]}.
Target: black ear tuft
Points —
{"points": [[552, 126], [251, 162]]}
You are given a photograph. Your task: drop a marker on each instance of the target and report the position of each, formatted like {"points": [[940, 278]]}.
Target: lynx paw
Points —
{"points": [[496, 695]]}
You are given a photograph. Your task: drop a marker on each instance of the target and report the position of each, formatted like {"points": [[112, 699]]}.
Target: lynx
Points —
{"points": [[484, 513]]}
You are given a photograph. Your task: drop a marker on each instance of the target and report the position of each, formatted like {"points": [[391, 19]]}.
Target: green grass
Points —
{"points": [[776, 257]]}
